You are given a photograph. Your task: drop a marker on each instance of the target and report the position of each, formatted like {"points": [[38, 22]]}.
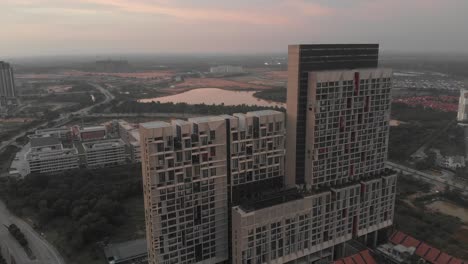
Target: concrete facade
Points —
{"points": [[49, 156], [190, 171], [104, 153]]}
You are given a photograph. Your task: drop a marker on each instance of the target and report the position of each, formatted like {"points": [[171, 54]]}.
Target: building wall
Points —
{"points": [[105, 153], [185, 189], [348, 114], [205, 157], [52, 161], [257, 147], [303, 59], [307, 229], [93, 135]]}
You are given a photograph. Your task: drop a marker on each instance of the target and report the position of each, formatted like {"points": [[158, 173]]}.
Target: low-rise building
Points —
{"points": [[224, 69], [48, 155], [449, 162], [104, 153], [92, 133], [130, 252], [131, 136]]}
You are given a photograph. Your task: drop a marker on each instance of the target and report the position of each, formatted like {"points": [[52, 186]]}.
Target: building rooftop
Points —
{"points": [[271, 199], [363, 257], [126, 250], [155, 124], [103, 143], [263, 113], [430, 254], [44, 141], [92, 128], [204, 119]]}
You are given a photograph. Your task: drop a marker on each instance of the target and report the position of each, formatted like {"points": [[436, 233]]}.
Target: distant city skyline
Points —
{"points": [[57, 27]]}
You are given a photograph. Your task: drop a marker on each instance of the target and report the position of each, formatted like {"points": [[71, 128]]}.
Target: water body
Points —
{"points": [[215, 96]]}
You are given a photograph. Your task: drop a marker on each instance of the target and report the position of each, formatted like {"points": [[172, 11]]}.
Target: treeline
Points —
{"points": [[275, 94], [85, 205], [154, 107]]}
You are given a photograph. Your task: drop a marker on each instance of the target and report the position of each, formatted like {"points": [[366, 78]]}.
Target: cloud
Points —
{"points": [[191, 14]]}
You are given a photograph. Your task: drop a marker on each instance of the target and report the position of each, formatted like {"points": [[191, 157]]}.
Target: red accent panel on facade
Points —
{"points": [[356, 83]]}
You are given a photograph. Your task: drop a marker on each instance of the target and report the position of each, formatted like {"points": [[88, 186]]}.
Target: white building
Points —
{"points": [[131, 136], [462, 115], [223, 69], [48, 155], [104, 153]]}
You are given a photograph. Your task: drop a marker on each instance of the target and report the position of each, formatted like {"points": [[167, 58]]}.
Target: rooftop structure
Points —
{"points": [[130, 252]]}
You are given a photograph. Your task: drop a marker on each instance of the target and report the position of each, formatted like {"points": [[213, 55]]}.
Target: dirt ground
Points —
{"points": [[191, 83], [138, 75], [451, 209]]}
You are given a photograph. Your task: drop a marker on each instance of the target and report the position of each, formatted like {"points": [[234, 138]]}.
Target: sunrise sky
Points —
{"points": [[47, 27]]}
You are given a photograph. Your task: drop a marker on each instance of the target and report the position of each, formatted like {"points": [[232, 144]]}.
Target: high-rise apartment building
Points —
{"points": [[222, 189], [338, 189], [7, 85], [193, 171]]}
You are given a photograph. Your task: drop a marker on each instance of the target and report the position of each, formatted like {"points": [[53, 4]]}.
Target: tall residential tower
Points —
{"points": [[337, 186], [7, 85], [222, 189]]}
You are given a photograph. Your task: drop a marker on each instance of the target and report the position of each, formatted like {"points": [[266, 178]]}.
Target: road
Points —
{"points": [[433, 179], [42, 250], [65, 118]]}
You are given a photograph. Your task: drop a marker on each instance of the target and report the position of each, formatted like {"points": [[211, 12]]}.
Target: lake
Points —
{"points": [[211, 96]]}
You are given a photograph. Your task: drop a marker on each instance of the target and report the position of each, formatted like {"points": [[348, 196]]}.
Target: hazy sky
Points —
{"points": [[47, 27]]}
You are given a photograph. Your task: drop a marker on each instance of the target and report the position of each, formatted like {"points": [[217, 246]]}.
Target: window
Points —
{"points": [[212, 134]]}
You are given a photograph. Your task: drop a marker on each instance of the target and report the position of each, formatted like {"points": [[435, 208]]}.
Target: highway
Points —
{"points": [[433, 179]]}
